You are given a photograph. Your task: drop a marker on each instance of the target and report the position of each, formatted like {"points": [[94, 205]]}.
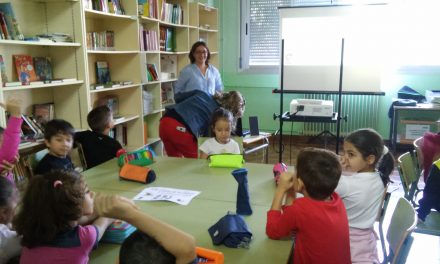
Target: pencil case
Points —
{"points": [[136, 173], [205, 255], [226, 160], [142, 157]]}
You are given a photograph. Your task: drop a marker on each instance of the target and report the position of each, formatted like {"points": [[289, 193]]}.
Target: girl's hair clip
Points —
{"points": [[57, 183]]}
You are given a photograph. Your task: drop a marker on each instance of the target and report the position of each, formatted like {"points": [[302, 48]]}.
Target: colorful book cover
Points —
{"points": [[3, 70], [43, 68], [102, 72], [25, 68], [11, 21], [43, 113]]}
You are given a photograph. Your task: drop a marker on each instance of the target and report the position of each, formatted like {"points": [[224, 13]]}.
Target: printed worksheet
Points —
{"points": [[179, 196]]}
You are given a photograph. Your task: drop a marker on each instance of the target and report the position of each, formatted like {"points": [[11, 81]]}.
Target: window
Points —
{"points": [[259, 45]]}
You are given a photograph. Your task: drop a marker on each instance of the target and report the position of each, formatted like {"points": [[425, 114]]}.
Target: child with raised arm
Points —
{"points": [[222, 125], [48, 219], [155, 241], [9, 241], [10, 139], [362, 192], [318, 220], [58, 137], [98, 146]]}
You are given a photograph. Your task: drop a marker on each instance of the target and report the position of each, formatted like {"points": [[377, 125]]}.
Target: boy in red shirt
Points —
{"points": [[318, 220]]}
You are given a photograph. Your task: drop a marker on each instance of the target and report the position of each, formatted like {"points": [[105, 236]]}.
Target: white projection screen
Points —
{"points": [[378, 39]]}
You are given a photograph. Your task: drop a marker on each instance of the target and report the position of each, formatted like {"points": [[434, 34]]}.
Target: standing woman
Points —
{"points": [[190, 118], [199, 75]]}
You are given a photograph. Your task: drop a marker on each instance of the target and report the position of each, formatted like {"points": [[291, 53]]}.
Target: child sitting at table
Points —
{"points": [[155, 241], [362, 193], [221, 125], [10, 139], [431, 193], [58, 137], [97, 145], [9, 241], [48, 219], [318, 220]]}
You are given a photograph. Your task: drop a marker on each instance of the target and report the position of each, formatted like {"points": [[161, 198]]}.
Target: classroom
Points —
{"points": [[219, 131]]}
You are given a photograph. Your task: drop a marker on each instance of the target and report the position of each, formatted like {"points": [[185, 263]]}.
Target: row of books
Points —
{"points": [[104, 40], [112, 84], [9, 28], [108, 6], [28, 69], [148, 39], [119, 133], [148, 8], [152, 72], [167, 41], [33, 126], [172, 13]]}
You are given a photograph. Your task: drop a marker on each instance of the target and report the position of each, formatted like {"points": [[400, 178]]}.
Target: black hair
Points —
{"points": [[222, 113], [99, 118], [140, 248], [368, 142], [57, 126], [191, 56], [7, 192], [320, 171]]}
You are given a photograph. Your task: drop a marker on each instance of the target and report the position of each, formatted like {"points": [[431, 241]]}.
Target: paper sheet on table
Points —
{"points": [[179, 196]]}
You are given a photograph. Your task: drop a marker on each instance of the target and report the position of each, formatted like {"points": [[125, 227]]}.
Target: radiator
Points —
{"points": [[361, 111]]}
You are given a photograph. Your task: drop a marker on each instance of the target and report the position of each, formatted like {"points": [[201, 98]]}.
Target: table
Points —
{"points": [[218, 194], [249, 144], [395, 119]]}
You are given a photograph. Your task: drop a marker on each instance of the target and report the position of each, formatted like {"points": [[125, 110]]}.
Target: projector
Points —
{"points": [[311, 107]]}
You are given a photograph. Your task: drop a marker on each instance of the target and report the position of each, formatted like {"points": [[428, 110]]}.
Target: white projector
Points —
{"points": [[311, 107]]}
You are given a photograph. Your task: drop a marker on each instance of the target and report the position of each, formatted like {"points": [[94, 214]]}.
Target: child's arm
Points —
{"points": [[175, 241], [101, 224], [11, 135], [285, 183], [203, 155]]}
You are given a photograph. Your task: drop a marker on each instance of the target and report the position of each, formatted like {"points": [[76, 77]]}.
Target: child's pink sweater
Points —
{"points": [[11, 140]]}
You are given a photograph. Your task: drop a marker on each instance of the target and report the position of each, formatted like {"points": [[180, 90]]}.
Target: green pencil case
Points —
{"points": [[226, 161]]}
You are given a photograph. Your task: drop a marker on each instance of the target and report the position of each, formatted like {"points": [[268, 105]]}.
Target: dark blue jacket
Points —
{"points": [[195, 109]]}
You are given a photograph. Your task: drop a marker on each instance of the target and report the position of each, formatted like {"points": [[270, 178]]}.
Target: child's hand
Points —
{"points": [[6, 167], [13, 106], [113, 206], [285, 181]]}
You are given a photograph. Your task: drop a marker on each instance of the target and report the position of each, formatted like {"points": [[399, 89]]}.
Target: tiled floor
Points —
{"points": [[425, 248]]}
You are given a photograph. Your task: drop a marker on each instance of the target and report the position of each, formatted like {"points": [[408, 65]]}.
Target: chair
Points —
{"points": [[78, 157], [403, 221], [409, 177], [418, 155], [380, 217]]}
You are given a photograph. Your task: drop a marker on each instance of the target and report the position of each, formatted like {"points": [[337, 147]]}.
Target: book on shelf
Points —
{"points": [[119, 132], [12, 84], [167, 41], [43, 112], [43, 68], [148, 8], [167, 93], [56, 37], [152, 72], [3, 70], [29, 128], [103, 40], [25, 68], [12, 26], [102, 72]]}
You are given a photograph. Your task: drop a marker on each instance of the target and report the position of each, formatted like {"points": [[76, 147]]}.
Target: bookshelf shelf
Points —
{"points": [[169, 80], [148, 19], [163, 23], [151, 83], [104, 15], [39, 86], [39, 43], [134, 52], [127, 119], [131, 86]]}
